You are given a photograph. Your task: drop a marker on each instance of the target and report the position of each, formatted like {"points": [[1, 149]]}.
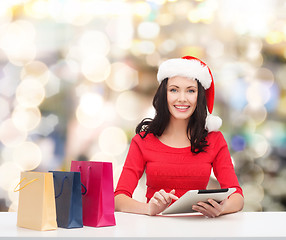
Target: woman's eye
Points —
{"points": [[191, 91], [173, 90]]}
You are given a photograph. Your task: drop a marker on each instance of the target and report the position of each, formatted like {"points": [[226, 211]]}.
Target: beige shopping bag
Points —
{"points": [[37, 207]]}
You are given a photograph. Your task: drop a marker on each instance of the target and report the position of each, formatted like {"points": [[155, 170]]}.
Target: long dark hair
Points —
{"points": [[196, 131]]}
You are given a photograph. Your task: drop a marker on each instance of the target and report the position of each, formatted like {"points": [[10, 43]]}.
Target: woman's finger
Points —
{"points": [[212, 207], [202, 210], [154, 201], [159, 196]]}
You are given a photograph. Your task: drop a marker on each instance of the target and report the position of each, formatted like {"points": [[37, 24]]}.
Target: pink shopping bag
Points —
{"points": [[98, 201]]}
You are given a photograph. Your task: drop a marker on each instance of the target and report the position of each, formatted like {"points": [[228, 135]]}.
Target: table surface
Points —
{"points": [[241, 224]]}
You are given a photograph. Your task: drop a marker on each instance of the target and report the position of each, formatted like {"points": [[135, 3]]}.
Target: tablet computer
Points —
{"points": [[184, 203]]}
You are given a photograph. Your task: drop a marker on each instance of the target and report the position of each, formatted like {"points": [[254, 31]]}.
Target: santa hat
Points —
{"points": [[193, 68]]}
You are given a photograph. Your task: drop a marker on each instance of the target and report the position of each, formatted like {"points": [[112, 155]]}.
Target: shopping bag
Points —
{"points": [[98, 201], [68, 199], [37, 207]]}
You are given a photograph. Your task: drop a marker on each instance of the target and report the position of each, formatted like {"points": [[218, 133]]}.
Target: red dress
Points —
{"points": [[176, 168]]}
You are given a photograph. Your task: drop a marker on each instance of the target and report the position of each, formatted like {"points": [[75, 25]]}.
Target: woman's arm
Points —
{"points": [[233, 204], [160, 201], [213, 209], [124, 203]]}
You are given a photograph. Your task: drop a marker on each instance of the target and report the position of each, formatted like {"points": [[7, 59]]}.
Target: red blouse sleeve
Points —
{"points": [[133, 169], [223, 167]]}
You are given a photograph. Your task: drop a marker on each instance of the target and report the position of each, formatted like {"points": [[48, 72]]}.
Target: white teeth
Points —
{"points": [[181, 107]]}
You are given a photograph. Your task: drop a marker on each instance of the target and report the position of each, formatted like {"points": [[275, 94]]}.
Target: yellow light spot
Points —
{"points": [[26, 119]]}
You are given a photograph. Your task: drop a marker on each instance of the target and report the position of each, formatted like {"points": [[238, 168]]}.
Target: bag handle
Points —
{"points": [[33, 180], [63, 181], [87, 181], [85, 190]]}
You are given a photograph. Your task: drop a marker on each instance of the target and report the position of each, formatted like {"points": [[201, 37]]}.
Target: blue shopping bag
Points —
{"points": [[68, 193]]}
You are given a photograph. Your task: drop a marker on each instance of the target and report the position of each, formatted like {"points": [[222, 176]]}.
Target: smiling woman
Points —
{"points": [[180, 146]]}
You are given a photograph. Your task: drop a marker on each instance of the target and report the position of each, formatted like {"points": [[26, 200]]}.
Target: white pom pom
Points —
{"points": [[213, 123]]}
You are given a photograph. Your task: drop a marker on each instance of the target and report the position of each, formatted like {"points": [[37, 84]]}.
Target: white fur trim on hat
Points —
{"points": [[213, 123], [185, 68]]}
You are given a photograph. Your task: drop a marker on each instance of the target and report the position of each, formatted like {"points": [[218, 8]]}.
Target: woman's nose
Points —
{"points": [[182, 96]]}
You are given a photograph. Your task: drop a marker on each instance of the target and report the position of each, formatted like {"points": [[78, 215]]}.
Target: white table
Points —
{"points": [[242, 224]]}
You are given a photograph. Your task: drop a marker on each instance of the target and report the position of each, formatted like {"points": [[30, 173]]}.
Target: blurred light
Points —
{"points": [[5, 109], [26, 119], [252, 20], [91, 103], [258, 114], [94, 43], [47, 125], [67, 70], [13, 196], [89, 110], [165, 19], [215, 49], [280, 76], [159, 2], [96, 68], [37, 70], [257, 94], [53, 86], [281, 105], [274, 132], [14, 205], [238, 143], [19, 52], [9, 171], [30, 93], [148, 30], [203, 13], [236, 99], [253, 195], [122, 77], [167, 46], [273, 101], [113, 140], [274, 37], [143, 47], [254, 48], [120, 31], [275, 186], [27, 155], [141, 8], [37, 9], [109, 112], [259, 145], [265, 76], [10, 81], [77, 12], [153, 59], [10, 135], [151, 112], [6, 14], [128, 106]]}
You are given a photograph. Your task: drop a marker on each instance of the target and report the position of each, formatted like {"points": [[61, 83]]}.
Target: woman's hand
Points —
{"points": [[160, 201], [211, 208]]}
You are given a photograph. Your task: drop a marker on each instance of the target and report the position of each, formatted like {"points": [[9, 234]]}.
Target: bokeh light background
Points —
{"points": [[76, 77]]}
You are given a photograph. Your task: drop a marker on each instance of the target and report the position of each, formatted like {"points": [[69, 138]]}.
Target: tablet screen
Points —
{"points": [[184, 204]]}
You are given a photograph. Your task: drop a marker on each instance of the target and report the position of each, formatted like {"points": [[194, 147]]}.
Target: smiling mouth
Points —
{"points": [[181, 107]]}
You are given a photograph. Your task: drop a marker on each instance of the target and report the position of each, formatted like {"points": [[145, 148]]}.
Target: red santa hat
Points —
{"points": [[193, 68]]}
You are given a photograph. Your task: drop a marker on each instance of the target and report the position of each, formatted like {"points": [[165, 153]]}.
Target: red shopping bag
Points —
{"points": [[98, 201]]}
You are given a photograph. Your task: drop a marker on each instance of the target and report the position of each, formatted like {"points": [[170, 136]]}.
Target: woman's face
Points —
{"points": [[182, 94]]}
